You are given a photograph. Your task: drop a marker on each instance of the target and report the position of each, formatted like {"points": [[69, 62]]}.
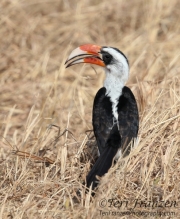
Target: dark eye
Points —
{"points": [[107, 58]]}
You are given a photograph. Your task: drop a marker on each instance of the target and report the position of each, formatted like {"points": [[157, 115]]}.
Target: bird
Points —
{"points": [[115, 116]]}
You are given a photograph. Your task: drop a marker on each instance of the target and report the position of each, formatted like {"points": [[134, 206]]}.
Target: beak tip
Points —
{"points": [[68, 65]]}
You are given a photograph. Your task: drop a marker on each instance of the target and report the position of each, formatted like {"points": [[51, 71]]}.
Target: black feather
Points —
{"points": [[111, 135]]}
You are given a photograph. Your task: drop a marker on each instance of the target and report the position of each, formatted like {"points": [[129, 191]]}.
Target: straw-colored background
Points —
{"points": [[36, 90]]}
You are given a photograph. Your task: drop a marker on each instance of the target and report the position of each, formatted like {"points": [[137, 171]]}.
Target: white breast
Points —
{"points": [[114, 88]]}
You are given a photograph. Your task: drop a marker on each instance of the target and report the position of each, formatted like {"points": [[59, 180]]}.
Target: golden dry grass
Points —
{"points": [[36, 90]]}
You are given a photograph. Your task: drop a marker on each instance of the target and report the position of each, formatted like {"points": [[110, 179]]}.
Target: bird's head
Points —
{"points": [[112, 59]]}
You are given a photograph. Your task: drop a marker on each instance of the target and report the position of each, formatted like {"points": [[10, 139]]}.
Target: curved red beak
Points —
{"points": [[88, 53]]}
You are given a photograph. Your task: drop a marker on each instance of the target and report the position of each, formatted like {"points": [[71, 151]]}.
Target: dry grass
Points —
{"points": [[36, 90]]}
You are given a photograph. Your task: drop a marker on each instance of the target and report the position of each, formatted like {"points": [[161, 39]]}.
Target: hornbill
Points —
{"points": [[115, 113]]}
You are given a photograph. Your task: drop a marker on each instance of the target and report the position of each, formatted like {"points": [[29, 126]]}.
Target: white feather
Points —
{"points": [[117, 74], [118, 154]]}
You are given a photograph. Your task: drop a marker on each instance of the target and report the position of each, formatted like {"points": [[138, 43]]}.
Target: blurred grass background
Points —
{"points": [[36, 90]]}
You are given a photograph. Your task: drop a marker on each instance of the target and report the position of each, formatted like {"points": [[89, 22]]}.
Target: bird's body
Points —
{"points": [[105, 123], [115, 114], [112, 135]]}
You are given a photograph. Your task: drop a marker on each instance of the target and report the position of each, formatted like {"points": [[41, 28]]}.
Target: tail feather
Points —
{"points": [[101, 166]]}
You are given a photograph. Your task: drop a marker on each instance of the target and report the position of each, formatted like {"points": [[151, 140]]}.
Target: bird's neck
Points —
{"points": [[114, 86]]}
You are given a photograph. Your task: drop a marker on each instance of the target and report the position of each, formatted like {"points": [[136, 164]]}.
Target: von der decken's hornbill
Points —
{"points": [[115, 113]]}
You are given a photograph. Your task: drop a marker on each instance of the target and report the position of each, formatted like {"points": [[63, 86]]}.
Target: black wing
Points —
{"points": [[128, 118], [102, 118]]}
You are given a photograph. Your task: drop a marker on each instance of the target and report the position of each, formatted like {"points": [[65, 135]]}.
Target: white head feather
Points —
{"points": [[117, 73]]}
